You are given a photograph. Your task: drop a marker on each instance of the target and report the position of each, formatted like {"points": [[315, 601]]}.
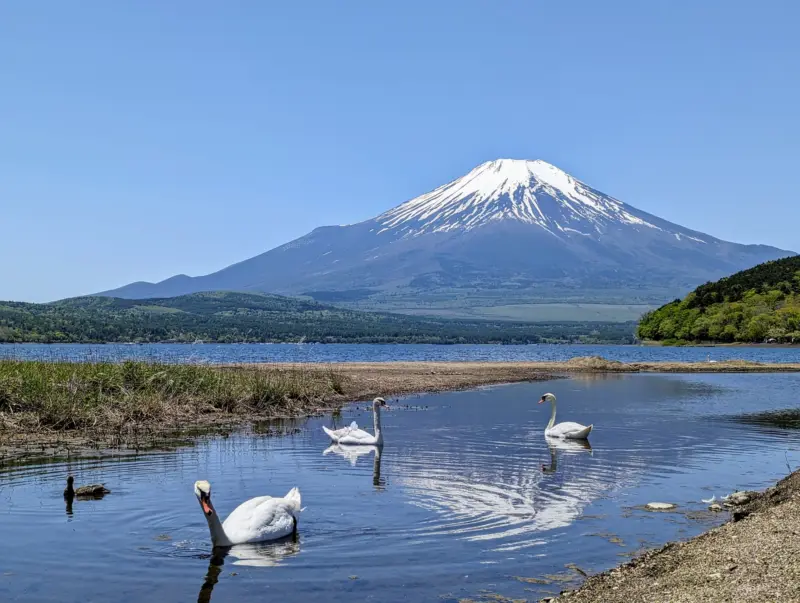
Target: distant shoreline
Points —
{"points": [[707, 344]]}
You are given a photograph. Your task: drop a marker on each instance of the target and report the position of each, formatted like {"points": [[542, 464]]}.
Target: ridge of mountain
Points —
{"points": [[509, 231]]}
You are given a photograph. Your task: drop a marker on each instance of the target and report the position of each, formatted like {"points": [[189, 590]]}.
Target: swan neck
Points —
{"points": [[553, 460], [552, 415], [376, 421], [218, 536]]}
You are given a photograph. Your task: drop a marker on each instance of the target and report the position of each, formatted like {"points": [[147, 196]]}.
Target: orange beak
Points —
{"points": [[205, 503]]}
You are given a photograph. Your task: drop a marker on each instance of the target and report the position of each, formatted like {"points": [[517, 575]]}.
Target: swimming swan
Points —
{"points": [[257, 520], [568, 430], [352, 435]]}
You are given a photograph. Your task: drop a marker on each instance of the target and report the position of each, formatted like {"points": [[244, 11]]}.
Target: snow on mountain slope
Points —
{"points": [[533, 192], [524, 227]]}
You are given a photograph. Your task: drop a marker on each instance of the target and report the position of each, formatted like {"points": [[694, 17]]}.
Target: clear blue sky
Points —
{"points": [[141, 139]]}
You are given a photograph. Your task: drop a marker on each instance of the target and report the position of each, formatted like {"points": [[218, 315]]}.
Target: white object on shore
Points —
{"points": [[708, 501], [659, 506]]}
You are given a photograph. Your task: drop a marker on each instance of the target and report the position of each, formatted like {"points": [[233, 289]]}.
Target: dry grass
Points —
{"points": [[57, 407], [105, 396]]}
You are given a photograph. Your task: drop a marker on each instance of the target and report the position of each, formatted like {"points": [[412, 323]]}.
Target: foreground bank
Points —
{"points": [[57, 407], [753, 558], [80, 404]]}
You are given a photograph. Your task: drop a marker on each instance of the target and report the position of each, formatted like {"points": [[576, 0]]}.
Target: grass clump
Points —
{"points": [[63, 396]]}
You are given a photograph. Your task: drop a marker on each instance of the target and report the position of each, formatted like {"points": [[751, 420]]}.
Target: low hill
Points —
{"points": [[753, 306], [246, 317]]}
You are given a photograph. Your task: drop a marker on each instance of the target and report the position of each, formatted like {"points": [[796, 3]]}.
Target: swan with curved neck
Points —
{"points": [[567, 430], [256, 520], [352, 435]]}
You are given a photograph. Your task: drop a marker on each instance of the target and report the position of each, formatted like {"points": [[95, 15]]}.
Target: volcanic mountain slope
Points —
{"points": [[524, 229]]}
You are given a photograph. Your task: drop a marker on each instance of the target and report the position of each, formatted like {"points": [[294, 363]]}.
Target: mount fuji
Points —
{"points": [[509, 231]]}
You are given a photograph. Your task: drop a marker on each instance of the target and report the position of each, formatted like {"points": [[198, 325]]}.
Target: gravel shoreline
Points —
{"points": [[755, 557]]}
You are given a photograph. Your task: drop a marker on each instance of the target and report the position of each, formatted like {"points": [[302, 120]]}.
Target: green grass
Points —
{"points": [[105, 396]]}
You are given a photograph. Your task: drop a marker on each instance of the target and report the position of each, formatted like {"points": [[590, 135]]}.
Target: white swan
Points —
{"points": [[257, 520], [352, 435], [568, 430]]}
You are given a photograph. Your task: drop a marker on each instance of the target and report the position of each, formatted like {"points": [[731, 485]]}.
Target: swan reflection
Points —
{"points": [[353, 453], [505, 499], [558, 445], [266, 554]]}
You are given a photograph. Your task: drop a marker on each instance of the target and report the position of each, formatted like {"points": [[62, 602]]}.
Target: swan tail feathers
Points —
{"points": [[581, 434], [331, 435], [294, 500]]}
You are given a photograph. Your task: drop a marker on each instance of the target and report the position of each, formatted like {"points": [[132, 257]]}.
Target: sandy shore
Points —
{"points": [[397, 378], [754, 558]]}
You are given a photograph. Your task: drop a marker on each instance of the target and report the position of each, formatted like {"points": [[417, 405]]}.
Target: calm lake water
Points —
{"points": [[289, 352], [457, 504]]}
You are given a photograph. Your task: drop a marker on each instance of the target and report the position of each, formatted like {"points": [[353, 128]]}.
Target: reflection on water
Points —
{"points": [[784, 418], [267, 554], [458, 499], [570, 446], [353, 453]]}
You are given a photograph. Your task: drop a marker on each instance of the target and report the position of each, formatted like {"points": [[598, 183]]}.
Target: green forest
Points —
{"points": [[758, 305], [228, 317]]}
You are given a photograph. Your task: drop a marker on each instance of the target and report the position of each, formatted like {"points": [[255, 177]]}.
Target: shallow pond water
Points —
{"points": [[465, 501]]}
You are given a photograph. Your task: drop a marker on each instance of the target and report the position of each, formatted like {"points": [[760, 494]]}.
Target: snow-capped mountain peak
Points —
{"points": [[507, 230], [533, 192]]}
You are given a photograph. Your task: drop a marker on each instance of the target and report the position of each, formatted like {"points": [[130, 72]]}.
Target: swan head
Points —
{"points": [[378, 402], [202, 490], [547, 398], [70, 480]]}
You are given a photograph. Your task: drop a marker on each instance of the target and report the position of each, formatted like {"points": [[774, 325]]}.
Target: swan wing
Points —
{"points": [[338, 434], [259, 519], [358, 436], [569, 430]]}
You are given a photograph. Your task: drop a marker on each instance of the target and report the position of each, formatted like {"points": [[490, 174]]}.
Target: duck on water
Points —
{"points": [[90, 491]]}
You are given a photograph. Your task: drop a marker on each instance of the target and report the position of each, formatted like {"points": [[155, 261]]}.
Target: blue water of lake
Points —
{"points": [[466, 500], [290, 352]]}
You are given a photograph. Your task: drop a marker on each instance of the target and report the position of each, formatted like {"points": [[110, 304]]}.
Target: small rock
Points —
{"points": [[354, 577], [659, 506], [739, 498], [715, 508], [732, 567], [715, 576]]}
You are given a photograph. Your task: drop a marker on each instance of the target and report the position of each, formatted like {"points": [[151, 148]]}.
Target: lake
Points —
{"points": [[290, 352], [465, 501]]}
